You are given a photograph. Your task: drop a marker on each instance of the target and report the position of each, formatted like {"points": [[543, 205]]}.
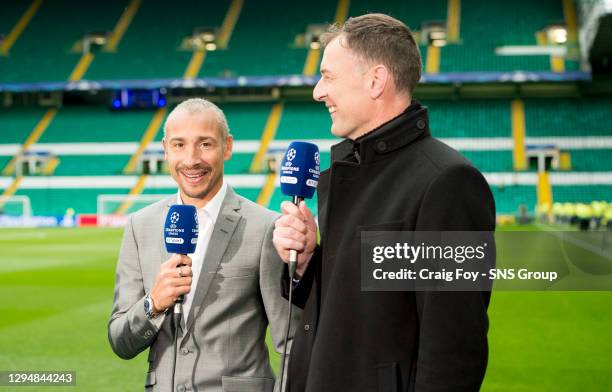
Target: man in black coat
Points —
{"points": [[388, 174]]}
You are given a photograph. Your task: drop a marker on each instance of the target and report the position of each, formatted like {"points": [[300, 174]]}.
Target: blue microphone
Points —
{"points": [[299, 177], [299, 174], [181, 235], [181, 229]]}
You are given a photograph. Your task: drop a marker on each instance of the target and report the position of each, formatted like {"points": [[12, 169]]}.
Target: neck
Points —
{"points": [[385, 111]]}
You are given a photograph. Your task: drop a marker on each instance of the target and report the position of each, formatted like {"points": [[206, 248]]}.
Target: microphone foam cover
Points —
{"points": [[181, 229], [300, 170]]}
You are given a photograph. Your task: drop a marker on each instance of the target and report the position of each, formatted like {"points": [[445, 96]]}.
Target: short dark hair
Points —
{"points": [[382, 38]]}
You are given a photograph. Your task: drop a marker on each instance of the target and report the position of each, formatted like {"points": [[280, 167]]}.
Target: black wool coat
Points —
{"points": [[396, 177]]}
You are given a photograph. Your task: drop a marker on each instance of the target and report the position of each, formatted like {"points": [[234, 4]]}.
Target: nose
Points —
{"points": [[318, 93], [192, 156]]}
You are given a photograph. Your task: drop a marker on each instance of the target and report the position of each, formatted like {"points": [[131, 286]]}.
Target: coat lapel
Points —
{"points": [[222, 234]]}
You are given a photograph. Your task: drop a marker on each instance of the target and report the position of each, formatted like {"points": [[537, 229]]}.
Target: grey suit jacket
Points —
{"points": [[222, 346]]}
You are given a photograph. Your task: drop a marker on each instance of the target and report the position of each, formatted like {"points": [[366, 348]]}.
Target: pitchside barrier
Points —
{"points": [[113, 210]]}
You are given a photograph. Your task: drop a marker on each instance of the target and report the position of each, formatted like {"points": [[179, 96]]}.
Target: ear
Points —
{"points": [[165, 147], [380, 78], [227, 148]]}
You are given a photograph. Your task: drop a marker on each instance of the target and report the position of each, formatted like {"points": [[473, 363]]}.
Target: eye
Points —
{"points": [[177, 145]]}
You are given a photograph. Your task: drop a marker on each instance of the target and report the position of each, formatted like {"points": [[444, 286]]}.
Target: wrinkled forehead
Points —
{"points": [[183, 120]]}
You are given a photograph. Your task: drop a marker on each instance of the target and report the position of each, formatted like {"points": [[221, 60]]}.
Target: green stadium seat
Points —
{"points": [[16, 123], [469, 118], [490, 161], [568, 117], [591, 160], [96, 124], [304, 120], [11, 15], [246, 120], [487, 25], [581, 193], [43, 52], [91, 165], [4, 160], [411, 13], [150, 47], [263, 42]]}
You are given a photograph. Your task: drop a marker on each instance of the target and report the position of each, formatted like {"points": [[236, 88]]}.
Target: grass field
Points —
{"points": [[56, 287]]}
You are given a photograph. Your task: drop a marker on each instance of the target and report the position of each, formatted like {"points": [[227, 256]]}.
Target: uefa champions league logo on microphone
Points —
{"points": [[174, 218], [291, 154], [317, 158]]}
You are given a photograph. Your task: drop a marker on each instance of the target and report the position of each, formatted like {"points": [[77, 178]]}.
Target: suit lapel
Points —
{"points": [[222, 234]]}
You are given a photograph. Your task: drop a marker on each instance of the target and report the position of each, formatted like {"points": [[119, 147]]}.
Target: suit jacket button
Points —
{"points": [[306, 327], [381, 146], [420, 124], [181, 388], [184, 351]]}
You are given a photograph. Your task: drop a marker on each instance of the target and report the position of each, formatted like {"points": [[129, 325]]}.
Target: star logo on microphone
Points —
{"points": [[291, 154], [174, 217], [317, 158]]}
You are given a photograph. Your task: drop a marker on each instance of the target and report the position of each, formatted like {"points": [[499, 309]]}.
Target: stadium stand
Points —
{"points": [[92, 141], [264, 43], [10, 15], [17, 122], [304, 120], [581, 193], [47, 50], [152, 46], [591, 160], [482, 32], [469, 118], [95, 124], [568, 117], [91, 165], [471, 123]]}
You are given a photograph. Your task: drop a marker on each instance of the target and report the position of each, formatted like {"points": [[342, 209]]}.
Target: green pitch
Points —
{"points": [[56, 287]]}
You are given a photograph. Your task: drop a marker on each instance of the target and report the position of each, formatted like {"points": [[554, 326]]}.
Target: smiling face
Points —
{"points": [[195, 151], [344, 87]]}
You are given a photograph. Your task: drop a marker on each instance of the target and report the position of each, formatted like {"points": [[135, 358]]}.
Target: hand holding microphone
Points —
{"points": [[172, 281], [295, 231]]}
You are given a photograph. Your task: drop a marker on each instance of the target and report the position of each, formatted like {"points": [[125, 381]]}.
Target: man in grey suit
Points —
{"points": [[231, 282]]}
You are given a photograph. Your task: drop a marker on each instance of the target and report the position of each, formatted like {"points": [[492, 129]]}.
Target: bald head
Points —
{"points": [[195, 106]]}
